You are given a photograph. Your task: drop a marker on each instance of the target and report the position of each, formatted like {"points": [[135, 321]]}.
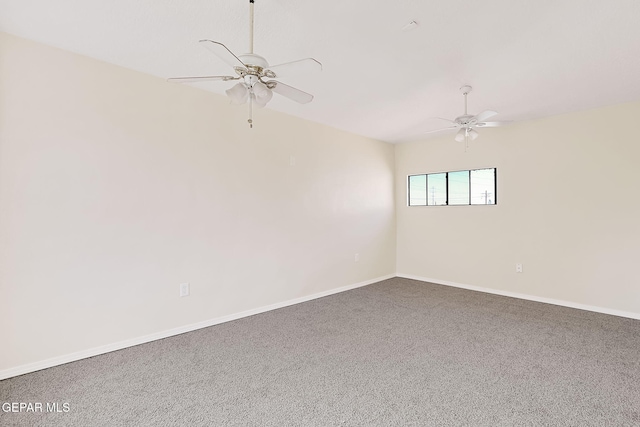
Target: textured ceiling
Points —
{"points": [[524, 59]]}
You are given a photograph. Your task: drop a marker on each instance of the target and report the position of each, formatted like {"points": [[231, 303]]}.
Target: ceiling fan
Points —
{"points": [[252, 72], [468, 123]]}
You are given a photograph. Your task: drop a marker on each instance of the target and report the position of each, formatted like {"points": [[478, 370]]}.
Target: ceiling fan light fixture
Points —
{"points": [[260, 90], [238, 93], [257, 102], [472, 134], [460, 136], [261, 95]]}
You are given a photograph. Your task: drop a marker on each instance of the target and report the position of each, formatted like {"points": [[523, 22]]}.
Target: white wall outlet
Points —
{"points": [[292, 160], [184, 289], [518, 268], [356, 258]]}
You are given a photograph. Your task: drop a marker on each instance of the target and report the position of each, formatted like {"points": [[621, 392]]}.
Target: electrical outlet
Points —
{"points": [[292, 160], [184, 289], [357, 258], [518, 268]]}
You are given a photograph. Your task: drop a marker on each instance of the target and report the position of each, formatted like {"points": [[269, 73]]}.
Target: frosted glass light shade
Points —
{"points": [[261, 94], [460, 135], [472, 134], [238, 94]]}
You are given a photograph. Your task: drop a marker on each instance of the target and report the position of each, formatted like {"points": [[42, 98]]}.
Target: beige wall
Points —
{"points": [[116, 186], [568, 210]]}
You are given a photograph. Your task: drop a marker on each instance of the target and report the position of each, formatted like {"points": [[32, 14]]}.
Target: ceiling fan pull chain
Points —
{"points": [[250, 26], [250, 111]]}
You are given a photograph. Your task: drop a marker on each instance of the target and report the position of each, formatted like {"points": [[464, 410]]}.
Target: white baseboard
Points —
{"points": [[72, 357], [570, 304]]}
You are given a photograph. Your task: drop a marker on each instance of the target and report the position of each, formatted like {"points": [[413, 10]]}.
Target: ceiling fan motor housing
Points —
{"points": [[253, 60], [466, 121]]}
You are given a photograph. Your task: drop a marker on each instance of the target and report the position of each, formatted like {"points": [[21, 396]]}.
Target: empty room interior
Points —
{"points": [[426, 213]]}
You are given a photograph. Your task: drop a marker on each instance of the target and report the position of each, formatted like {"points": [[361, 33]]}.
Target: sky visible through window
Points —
{"points": [[459, 188], [475, 187], [483, 187], [437, 189], [418, 190]]}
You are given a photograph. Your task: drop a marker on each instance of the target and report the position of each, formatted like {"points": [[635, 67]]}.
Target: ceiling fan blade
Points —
{"points": [[290, 92], [442, 118], [201, 79], [485, 115], [490, 124], [441, 130], [295, 67], [223, 53]]}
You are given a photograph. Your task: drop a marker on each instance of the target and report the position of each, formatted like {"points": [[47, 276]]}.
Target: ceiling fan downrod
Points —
{"points": [[465, 91], [465, 104], [250, 120], [250, 26]]}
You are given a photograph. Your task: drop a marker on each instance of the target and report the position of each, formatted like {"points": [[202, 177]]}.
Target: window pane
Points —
{"points": [[459, 188], [418, 190], [483, 187], [437, 189]]}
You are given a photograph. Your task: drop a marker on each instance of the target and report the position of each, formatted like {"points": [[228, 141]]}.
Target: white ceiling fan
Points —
{"points": [[252, 71], [468, 123]]}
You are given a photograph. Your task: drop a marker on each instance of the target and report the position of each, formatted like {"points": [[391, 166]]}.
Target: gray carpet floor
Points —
{"points": [[396, 353]]}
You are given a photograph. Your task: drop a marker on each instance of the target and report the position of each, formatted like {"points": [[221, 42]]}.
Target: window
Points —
{"points": [[436, 189], [483, 187], [418, 190], [458, 186], [467, 187]]}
